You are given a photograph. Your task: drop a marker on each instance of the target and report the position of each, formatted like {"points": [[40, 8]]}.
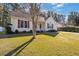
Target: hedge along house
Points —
{"points": [[22, 22]]}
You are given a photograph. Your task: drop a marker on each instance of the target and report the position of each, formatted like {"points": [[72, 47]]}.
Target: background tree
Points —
{"points": [[73, 18], [1, 12], [7, 7], [5, 17]]}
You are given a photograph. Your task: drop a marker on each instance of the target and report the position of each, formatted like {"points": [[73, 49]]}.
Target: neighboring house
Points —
{"points": [[23, 22]]}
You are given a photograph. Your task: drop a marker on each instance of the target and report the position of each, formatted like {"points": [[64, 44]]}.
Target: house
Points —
{"points": [[50, 24], [20, 21], [23, 22]]}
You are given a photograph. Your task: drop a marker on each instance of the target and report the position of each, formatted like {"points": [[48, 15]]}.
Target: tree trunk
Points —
{"points": [[36, 21], [33, 28]]}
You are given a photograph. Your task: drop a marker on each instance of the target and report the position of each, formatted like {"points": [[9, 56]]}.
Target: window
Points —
{"points": [[47, 25], [28, 24], [25, 24], [18, 23], [52, 25], [40, 26], [21, 24]]}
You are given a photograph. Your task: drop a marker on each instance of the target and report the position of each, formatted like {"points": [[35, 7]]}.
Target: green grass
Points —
{"points": [[63, 44], [9, 44]]}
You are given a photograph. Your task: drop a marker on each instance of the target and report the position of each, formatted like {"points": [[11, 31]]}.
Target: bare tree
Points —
{"points": [[73, 18], [34, 12]]}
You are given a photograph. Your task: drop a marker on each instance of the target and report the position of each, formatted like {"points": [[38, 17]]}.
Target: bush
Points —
{"points": [[16, 31], [24, 32], [30, 31], [69, 29], [38, 31], [8, 30], [52, 31]]}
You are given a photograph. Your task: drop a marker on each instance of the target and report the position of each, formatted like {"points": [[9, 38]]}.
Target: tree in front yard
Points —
{"points": [[34, 12]]}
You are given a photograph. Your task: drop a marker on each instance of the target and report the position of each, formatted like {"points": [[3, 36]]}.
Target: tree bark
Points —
{"points": [[33, 27], [34, 11]]}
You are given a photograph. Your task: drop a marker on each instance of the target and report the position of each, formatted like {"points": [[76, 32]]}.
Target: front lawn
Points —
{"points": [[8, 44], [64, 43]]}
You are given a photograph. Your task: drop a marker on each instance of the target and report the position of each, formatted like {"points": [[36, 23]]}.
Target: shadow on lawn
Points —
{"points": [[19, 48]]}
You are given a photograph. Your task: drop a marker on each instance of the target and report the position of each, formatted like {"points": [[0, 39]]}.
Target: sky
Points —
{"points": [[62, 8]]}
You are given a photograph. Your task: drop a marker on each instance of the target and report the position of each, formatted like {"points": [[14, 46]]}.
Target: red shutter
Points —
{"points": [[28, 24], [18, 23]]}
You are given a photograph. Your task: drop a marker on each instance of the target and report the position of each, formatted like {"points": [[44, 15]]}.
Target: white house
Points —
{"points": [[23, 22], [50, 24]]}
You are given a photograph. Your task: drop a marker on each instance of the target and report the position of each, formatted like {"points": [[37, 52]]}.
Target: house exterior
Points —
{"points": [[50, 24], [23, 22]]}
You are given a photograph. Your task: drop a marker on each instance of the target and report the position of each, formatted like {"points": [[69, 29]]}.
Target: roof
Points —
{"points": [[17, 13]]}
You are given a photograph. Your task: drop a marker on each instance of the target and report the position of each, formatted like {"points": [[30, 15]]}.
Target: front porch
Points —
{"points": [[41, 26]]}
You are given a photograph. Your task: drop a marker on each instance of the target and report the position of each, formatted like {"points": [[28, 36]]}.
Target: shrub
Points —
{"points": [[52, 31], [38, 31], [8, 30], [30, 31], [24, 32], [69, 29], [16, 31]]}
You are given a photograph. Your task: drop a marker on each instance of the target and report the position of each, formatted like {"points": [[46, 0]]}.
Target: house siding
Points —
{"points": [[16, 26], [51, 22], [53, 25]]}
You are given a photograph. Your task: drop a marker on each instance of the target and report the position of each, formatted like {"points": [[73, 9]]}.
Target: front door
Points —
{"points": [[41, 27]]}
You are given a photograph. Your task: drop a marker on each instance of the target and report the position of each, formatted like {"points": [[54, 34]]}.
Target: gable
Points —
{"points": [[50, 19]]}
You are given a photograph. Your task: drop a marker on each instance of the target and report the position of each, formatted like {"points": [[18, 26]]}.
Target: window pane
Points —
{"points": [[28, 24], [18, 23], [48, 25], [21, 24], [25, 24], [52, 25]]}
